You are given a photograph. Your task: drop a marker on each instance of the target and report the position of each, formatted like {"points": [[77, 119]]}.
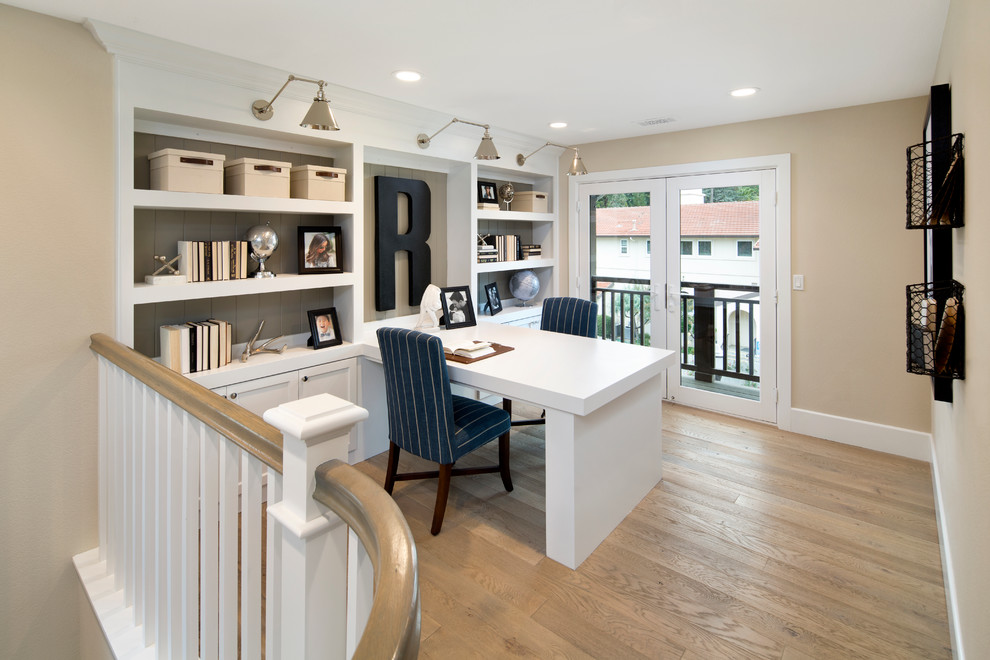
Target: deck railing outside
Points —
{"points": [[718, 334]]}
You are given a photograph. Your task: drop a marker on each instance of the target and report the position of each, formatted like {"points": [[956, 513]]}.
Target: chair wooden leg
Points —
{"points": [[507, 406], [443, 489], [393, 466], [503, 460]]}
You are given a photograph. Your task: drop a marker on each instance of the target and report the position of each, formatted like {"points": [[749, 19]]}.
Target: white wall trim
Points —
{"points": [[948, 572], [858, 433]]}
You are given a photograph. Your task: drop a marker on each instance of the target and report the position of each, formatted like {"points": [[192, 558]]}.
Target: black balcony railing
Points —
{"points": [[624, 316]]}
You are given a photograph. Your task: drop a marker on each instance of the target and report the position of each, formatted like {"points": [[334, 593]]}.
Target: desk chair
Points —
{"points": [[569, 316], [425, 419]]}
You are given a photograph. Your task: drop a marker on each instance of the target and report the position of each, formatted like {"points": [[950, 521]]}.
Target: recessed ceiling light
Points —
{"points": [[558, 124], [744, 91], [407, 76]]}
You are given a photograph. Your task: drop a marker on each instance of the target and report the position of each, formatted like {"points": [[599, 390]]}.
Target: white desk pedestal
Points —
{"points": [[599, 467]]}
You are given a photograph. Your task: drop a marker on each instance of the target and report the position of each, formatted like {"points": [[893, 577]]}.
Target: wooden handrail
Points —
{"points": [[245, 429], [394, 624]]}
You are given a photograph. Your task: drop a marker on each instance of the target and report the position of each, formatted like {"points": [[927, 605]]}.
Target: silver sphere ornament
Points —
{"points": [[262, 240], [524, 285], [505, 193]]}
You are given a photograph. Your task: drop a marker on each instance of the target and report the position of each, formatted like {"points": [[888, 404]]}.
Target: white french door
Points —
{"points": [[721, 292], [688, 263]]}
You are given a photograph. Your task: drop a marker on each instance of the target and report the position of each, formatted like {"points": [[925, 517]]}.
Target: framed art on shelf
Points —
{"points": [[487, 197], [494, 301], [320, 250], [458, 312], [323, 327]]}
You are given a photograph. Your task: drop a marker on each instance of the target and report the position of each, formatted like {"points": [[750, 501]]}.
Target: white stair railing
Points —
{"points": [[183, 476]]}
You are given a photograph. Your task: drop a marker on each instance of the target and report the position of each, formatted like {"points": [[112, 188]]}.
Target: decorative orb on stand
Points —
{"points": [[524, 285], [505, 193], [262, 240]]}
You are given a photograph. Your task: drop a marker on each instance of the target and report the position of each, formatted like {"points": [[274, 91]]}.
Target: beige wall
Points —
{"points": [[56, 187], [962, 428], [847, 238]]}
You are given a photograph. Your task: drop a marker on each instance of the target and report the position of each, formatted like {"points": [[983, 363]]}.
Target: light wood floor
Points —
{"points": [[757, 544]]}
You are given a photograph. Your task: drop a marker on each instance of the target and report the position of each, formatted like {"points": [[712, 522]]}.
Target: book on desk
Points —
{"points": [[470, 349]]}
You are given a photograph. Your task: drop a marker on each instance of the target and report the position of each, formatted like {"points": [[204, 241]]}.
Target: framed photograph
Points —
{"points": [[486, 193], [321, 250], [458, 312], [324, 328], [494, 302]]}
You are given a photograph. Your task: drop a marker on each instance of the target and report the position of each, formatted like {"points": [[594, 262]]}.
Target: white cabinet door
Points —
{"points": [[263, 393], [336, 378]]}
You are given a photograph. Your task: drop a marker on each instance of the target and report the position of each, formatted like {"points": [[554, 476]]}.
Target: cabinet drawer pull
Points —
{"points": [[195, 161], [267, 168], [233, 395], [305, 379]]}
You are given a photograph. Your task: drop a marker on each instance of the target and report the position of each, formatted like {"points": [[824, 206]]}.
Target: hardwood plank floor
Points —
{"points": [[758, 543]]}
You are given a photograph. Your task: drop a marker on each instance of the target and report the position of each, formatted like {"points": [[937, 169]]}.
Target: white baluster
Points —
{"points": [[314, 540]]}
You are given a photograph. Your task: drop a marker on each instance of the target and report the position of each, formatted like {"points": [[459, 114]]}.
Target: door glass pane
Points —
{"points": [[620, 265], [720, 289]]}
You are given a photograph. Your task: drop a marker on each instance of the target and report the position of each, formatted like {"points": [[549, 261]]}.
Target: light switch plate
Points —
{"points": [[799, 282]]}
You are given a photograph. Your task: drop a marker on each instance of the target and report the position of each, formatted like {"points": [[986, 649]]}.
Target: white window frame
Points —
{"points": [[709, 248], [752, 248]]}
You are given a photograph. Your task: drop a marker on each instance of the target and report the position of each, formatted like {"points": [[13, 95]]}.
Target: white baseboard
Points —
{"points": [[948, 574], [869, 435]]}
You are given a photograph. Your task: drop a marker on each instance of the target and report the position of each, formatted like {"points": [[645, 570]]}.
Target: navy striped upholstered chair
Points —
{"points": [[570, 316], [425, 419]]}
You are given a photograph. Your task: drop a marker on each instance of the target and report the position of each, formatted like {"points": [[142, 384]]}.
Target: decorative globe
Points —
{"points": [[505, 193], [524, 285], [262, 240]]}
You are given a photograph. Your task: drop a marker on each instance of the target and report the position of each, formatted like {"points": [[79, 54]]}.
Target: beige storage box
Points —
{"points": [[317, 182], [256, 178], [535, 202], [186, 171]]}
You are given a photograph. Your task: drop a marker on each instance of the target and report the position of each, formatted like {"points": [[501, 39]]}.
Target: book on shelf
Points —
{"points": [[196, 345], [213, 261], [504, 247], [469, 349]]}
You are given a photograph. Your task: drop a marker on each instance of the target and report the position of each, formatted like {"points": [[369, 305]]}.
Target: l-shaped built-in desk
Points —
{"points": [[603, 420]]}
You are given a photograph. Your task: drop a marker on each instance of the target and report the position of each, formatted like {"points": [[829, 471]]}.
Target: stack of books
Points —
{"points": [[487, 253], [504, 247], [213, 261], [196, 345], [532, 252]]}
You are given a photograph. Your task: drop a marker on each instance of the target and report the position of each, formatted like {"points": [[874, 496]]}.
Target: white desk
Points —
{"points": [[603, 426]]}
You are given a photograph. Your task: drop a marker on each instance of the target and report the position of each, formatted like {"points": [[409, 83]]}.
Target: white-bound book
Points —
{"points": [[469, 349]]}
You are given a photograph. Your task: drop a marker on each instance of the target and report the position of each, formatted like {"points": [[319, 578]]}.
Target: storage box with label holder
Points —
{"points": [[257, 178], [317, 182], [177, 170], [530, 200]]}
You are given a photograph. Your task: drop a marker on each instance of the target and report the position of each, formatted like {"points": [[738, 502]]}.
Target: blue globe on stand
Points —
{"points": [[524, 285]]}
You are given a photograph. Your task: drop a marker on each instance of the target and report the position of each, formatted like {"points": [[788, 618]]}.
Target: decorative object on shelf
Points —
{"points": [[323, 328], [317, 182], [262, 241], [319, 117], [178, 170], [458, 312], [494, 303], [388, 240], [532, 201], [250, 350], [487, 198], [505, 194], [935, 329], [256, 177], [173, 276], [320, 250], [486, 150], [524, 285], [931, 203], [577, 167], [428, 308]]}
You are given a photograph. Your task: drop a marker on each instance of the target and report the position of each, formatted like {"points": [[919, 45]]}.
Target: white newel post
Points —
{"points": [[313, 539]]}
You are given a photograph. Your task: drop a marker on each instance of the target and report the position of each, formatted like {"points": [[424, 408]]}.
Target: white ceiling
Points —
{"points": [[604, 67]]}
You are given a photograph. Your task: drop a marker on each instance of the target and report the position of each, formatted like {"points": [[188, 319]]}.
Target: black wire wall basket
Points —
{"points": [[933, 204], [935, 329]]}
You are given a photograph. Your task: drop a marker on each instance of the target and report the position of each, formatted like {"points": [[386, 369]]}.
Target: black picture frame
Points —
{"points": [[487, 193], [322, 335], [494, 301], [458, 312], [332, 259]]}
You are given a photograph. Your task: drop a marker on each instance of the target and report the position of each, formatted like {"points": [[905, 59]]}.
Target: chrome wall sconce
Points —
{"points": [[486, 150], [319, 117], [577, 166]]}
